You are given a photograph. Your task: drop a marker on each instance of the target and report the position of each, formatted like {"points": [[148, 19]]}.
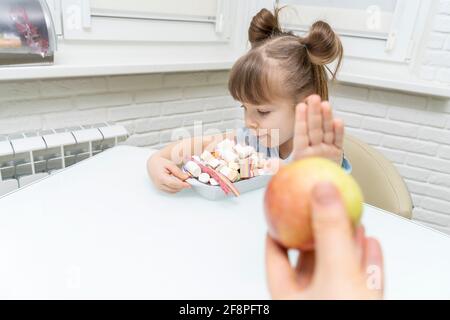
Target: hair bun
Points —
{"points": [[323, 44], [263, 26]]}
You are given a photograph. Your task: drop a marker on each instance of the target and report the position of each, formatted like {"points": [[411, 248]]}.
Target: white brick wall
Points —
{"points": [[150, 106], [436, 63], [414, 133]]}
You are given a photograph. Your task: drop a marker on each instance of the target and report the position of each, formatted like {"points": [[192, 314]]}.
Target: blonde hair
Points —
{"points": [[281, 64]]}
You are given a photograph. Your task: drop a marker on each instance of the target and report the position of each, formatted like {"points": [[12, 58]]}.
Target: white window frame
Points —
{"points": [[394, 44], [392, 62], [83, 21]]}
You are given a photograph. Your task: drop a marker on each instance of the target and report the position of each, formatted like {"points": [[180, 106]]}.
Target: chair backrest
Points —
{"points": [[382, 185]]}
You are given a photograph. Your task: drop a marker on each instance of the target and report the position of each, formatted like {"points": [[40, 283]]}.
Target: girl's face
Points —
{"points": [[272, 123]]}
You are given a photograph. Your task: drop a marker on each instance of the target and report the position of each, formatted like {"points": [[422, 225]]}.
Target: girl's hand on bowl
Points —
{"points": [[166, 175]]}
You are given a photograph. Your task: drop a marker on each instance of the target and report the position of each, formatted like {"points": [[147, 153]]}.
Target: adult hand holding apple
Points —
{"points": [[344, 265], [287, 200]]}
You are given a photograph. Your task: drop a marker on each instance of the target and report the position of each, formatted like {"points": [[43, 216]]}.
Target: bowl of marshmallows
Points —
{"points": [[231, 169]]}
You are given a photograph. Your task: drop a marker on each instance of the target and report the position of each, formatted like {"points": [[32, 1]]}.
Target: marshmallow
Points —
{"points": [[233, 166], [222, 163], [213, 182], [244, 151], [225, 144], [197, 158], [193, 168], [204, 178], [238, 147], [230, 156], [218, 153], [213, 163], [225, 171], [248, 151], [206, 156], [232, 175]]}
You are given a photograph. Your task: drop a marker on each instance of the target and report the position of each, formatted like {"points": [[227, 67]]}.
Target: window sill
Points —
{"points": [[412, 86], [55, 71]]}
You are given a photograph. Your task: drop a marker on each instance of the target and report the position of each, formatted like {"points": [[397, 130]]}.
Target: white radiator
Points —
{"points": [[27, 157]]}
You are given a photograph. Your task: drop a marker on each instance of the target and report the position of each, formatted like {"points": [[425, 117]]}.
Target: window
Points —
{"points": [[383, 39], [187, 9], [143, 20], [369, 29]]}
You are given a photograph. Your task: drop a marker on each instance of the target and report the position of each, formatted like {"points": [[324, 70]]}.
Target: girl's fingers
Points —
{"points": [[176, 178], [301, 140], [175, 183], [176, 171], [314, 114], [328, 130], [281, 277], [338, 125]]}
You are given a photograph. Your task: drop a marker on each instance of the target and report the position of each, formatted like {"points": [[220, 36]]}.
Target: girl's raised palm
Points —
{"points": [[317, 133]]}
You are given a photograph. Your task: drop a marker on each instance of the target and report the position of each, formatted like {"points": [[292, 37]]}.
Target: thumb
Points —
{"points": [[177, 172], [333, 234]]}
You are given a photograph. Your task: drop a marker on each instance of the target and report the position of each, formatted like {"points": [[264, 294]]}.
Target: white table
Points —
{"points": [[99, 229]]}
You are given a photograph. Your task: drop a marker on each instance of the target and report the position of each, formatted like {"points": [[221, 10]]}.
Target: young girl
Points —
{"points": [[282, 85]]}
